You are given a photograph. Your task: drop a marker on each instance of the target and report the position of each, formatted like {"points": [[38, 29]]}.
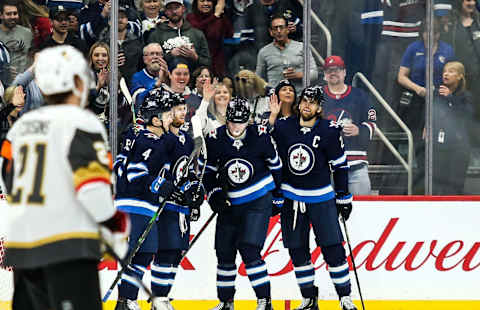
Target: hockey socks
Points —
{"points": [[164, 270], [338, 268], [341, 279], [304, 271], [305, 277], [258, 276], [163, 277], [129, 286], [226, 275]]}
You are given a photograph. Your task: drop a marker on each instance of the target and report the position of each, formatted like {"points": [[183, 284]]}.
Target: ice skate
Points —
{"points": [[127, 304], [346, 303], [264, 304], [308, 304], [162, 303], [224, 306]]}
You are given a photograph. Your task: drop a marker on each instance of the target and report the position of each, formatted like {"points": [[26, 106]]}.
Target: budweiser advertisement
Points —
{"points": [[405, 250]]}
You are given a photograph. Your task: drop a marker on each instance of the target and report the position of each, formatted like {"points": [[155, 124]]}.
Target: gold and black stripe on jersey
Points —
{"points": [[90, 161], [7, 165]]}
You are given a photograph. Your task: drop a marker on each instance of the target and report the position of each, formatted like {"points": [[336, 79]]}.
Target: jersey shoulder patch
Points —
{"points": [[262, 129], [213, 134]]}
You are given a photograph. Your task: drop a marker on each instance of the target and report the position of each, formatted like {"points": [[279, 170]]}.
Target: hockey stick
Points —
{"points": [[353, 262], [145, 233], [124, 264], [198, 235], [128, 96]]}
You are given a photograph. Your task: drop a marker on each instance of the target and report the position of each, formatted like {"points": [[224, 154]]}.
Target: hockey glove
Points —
{"points": [[218, 200], [344, 204], [163, 187], [194, 197], [277, 202], [115, 232]]}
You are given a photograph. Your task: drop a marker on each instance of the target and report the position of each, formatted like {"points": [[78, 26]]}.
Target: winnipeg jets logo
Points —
{"points": [[262, 130], [238, 144], [239, 171], [185, 126], [300, 159], [181, 138], [334, 124], [179, 168], [213, 134], [305, 130]]}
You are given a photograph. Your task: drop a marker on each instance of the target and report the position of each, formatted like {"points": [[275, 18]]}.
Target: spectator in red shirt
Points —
{"points": [[207, 15]]}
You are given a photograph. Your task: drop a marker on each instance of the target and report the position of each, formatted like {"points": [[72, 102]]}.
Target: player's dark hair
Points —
{"points": [[57, 98]]}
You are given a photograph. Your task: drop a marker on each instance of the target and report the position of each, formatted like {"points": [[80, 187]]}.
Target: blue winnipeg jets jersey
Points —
{"points": [[307, 155], [352, 106], [181, 148], [127, 143], [148, 155], [252, 164]]}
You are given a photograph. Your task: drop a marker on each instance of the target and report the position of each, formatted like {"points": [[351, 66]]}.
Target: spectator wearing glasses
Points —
{"points": [[179, 39], [349, 108], [153, 75], [283, 58], [59, 16]]}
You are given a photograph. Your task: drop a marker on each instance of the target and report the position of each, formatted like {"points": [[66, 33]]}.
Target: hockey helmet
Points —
{"points": [[176, 99], [238, 110], [156, 102], [56, 69], [313, 93]]}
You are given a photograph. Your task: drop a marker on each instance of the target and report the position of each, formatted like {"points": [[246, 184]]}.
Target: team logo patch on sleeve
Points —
{"points": [[301, 159], [239, 171]]}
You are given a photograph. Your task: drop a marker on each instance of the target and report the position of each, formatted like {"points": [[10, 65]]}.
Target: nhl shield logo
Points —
{"points": [[300, 159], [239, 171], [179, 168]]}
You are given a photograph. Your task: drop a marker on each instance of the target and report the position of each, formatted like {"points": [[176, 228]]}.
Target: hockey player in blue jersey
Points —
{"points": [[148, 156], [242, 170], [310, 148], [174, 222]]}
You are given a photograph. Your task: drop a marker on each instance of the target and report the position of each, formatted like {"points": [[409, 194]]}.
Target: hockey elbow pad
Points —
{"points": [[343, 202], [115, 232]]}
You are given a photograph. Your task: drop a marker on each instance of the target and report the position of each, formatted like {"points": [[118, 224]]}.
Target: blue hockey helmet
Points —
{"points": [[238, 110], [313, 93]]}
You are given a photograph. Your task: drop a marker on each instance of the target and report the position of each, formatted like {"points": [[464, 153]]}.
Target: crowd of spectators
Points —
{"points": [[191, 46]]}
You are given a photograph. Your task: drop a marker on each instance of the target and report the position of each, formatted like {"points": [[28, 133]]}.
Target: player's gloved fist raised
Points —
{"points": [[277, 202], [218, 200], [114, 233], [344, 204]]}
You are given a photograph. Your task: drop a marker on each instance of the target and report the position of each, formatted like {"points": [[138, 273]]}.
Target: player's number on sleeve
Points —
{"points": [[35, 196], [342, 145], [102, 153]]}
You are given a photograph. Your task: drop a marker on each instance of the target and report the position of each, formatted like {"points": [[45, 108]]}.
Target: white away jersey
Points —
{"points": [[51, 154]]}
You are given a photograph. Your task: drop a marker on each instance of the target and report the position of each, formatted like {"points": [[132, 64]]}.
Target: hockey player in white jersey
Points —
{"points": [[56, 170]]}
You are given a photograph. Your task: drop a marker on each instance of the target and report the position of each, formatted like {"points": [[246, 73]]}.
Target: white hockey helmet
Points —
{"points": [[56, 68]]}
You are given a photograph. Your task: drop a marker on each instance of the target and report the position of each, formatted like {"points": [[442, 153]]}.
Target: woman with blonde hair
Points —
{"points": [[211, 113], [452, 124], [35, 17]]}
